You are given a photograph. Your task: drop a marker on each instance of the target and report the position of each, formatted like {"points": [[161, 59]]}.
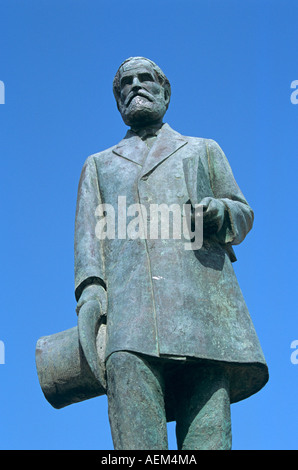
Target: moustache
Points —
{"points": [[133, 94]]}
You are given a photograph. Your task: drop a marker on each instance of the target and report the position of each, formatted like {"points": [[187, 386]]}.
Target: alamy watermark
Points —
{"points": [[294, 94], [2, 93], [150, 223], [294, 355], [2, 353]]}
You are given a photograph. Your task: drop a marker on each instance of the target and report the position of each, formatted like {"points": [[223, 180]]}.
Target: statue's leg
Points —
{"points": [[203, 409], [135, 393]]}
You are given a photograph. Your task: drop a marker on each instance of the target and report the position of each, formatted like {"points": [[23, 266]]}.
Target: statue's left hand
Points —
{"points": [[90, 317], [213, 214]]}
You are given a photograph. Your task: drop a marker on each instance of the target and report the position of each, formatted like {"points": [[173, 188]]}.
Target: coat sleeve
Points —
{"points": [[89, 261], [238, 215]]}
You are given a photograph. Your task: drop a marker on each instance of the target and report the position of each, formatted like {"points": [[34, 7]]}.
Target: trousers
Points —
{"points": [[137, 387]]}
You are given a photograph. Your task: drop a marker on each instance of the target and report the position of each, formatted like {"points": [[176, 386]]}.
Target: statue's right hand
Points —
{"points": [[91, 292]]}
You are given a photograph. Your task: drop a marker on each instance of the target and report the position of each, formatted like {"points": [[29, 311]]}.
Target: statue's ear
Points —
{"points": [[167, 97]]}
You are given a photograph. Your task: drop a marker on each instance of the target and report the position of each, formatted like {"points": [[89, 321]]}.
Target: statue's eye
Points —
{"points": [[146, 77], [126, 81]]}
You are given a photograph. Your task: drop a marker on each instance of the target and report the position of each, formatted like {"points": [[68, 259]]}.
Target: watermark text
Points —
{"points": [[2, 92], [294, 355], [294, 94], [156, 221], [2, 352]]}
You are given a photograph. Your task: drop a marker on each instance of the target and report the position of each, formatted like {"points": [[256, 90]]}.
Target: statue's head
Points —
{"points": [[142, 92]]}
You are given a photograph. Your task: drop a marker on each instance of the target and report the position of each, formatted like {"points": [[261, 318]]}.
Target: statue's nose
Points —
{"points": [[136, 83]]}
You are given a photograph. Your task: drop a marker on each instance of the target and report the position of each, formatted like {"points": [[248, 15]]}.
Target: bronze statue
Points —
{"points": [[180, 344]]}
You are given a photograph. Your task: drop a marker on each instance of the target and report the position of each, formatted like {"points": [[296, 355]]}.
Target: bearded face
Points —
{"points": [[143, 100]]}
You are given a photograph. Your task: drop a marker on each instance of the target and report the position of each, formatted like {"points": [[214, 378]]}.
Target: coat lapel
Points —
{"points": [[133, 148], [168, 142]]}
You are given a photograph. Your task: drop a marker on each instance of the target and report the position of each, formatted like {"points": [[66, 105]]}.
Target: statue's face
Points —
{"points": [[143, 99]]}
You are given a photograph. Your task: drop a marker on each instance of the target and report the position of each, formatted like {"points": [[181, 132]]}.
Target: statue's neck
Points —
{"points": [[153, 125]]}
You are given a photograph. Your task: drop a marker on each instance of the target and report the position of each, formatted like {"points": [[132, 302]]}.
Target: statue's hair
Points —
{"points": [[158, 73]]}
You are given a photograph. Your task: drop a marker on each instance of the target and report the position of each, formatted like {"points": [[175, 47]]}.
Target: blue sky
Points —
{"points": [[231, 65]]}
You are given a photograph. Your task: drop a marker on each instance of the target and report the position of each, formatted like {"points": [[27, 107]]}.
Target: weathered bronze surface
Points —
{"points": [[172, 313]]}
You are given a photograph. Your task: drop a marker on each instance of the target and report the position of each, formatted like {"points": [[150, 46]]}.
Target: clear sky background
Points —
{"points": [[231, 65]]}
